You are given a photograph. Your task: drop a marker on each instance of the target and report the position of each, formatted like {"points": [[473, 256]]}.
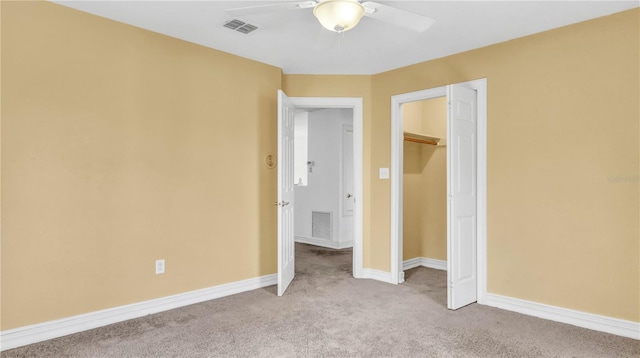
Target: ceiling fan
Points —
{"points": [[343, 15]]}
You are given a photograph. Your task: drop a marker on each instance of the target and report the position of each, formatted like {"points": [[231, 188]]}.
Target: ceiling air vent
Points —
{"points": [[240, 26]]}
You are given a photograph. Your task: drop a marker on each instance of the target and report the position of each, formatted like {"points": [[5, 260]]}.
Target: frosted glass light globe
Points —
{"points": [[339, 15]]}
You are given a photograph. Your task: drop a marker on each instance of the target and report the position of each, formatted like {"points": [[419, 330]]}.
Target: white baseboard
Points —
{"points": [[426, 262], [22, 336], [412, 263], [345, 244], [577, 318], [324, 243], [377, 275]]}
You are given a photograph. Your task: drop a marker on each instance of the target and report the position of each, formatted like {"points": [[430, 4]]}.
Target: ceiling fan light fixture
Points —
{"points": [[339, 15]]}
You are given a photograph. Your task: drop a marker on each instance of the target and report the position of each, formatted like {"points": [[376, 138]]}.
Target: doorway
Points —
{"points": [[457, 224], [424, 186], [286, 244], [324, 177]]}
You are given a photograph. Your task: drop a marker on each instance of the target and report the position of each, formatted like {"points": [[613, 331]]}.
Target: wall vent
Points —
{"points": [[240, 26], [321, 225]]}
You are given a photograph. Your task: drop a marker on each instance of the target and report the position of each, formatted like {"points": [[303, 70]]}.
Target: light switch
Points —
{"points": [[384, 173]]}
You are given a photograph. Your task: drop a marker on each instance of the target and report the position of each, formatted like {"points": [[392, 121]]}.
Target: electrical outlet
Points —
{"points": [[159, 266]]}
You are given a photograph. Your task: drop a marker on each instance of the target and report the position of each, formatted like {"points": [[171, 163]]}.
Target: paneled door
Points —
{"points": [[285, 203], [462, 273], [348, 183]]}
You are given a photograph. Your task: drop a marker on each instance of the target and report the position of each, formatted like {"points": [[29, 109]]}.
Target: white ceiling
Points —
{"points": [[294, 40]]}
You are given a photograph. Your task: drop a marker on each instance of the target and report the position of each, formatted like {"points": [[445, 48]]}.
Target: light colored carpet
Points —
{"points": [[327, 313]]}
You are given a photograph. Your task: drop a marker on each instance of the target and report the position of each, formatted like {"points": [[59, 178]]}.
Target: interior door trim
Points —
{"points": [[480, 86], [356, 104]]}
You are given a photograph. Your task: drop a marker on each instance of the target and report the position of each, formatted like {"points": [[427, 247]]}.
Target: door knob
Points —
{"points": [[349, 196], [283, 203]]}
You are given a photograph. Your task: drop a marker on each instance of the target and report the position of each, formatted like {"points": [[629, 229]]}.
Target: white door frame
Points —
{"points": [[354, 103], [397, 152]]}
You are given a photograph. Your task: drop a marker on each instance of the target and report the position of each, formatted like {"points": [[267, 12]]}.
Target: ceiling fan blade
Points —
{"points": [[398, 17], [261, 9]]}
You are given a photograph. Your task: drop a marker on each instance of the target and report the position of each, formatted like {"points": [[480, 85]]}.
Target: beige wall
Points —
{"points": [[425, 181], [120, 147], [434, 118], [413, 199], [563, 118], [412, 117], [434, 177], [434, 207]]}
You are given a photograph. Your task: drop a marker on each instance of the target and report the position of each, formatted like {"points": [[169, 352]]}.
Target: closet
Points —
{"points": [[425, 180]]}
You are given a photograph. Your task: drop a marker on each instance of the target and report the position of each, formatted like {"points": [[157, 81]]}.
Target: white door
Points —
{"points": [[286, 244], [348, 199], [461, 189]]}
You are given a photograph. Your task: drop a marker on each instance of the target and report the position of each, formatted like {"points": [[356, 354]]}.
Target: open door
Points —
{"points": [[348, 185], [462, 273], [286, 243]]}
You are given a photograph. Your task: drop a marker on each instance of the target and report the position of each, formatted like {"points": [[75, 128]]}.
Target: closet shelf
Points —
{"points": [[420, 138]]}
